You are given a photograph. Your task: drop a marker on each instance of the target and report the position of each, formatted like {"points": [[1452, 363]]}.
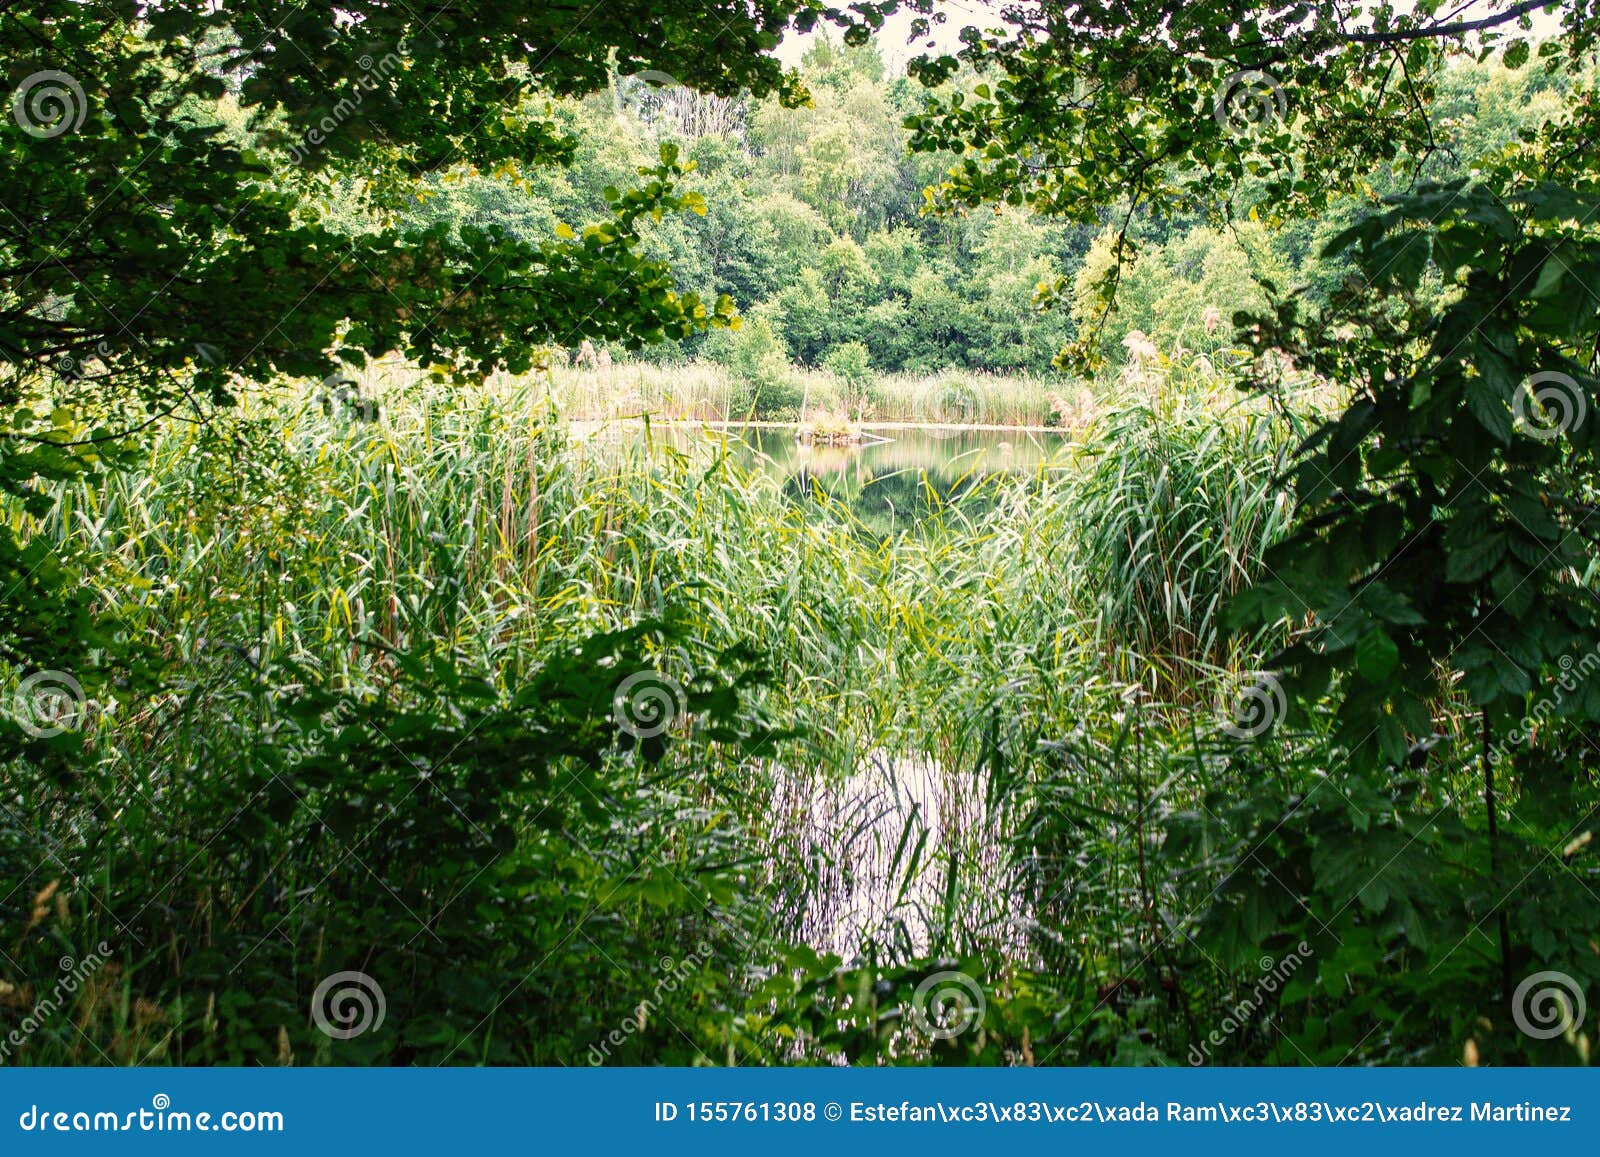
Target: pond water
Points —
{"points": [[897, 473], [887, 846], [886, 849]]}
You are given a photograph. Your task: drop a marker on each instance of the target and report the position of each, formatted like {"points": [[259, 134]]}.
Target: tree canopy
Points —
{"points": [[162, 242]]}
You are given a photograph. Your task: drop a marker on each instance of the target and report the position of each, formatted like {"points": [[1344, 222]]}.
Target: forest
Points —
{"points": [[753, 533]]}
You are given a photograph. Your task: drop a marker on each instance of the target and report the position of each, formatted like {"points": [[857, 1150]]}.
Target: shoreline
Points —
{"points": [[759, 424]]}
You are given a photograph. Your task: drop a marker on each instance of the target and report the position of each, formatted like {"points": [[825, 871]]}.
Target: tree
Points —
{"points": [[166, 240], [1442, 557]]}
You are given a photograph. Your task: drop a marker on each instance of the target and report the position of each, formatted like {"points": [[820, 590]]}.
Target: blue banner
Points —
{"points": [[834, 1111]]}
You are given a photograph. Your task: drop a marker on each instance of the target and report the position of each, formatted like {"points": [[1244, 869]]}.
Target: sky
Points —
{"points": [[985, 14], [892, 40]]}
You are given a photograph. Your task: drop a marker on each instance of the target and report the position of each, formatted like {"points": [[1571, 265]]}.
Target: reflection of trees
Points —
{"points": [[883, 503], [886, 485]]}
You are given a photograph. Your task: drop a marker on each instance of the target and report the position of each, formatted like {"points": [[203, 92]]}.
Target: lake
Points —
{"points": [[898, 474], [886, 844]]}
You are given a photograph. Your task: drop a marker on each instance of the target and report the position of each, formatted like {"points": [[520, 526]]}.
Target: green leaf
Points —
{"points": [[1490, 408], [1471, 561], [1376, 655], [1550, 275]]}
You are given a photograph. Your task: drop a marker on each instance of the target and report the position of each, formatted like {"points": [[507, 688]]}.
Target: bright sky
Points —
{"points": [[892, 40], [985, 14]]}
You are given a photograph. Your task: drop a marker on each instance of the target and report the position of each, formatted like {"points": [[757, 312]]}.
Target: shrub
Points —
{"points": [[851, 363], [763, 378]]}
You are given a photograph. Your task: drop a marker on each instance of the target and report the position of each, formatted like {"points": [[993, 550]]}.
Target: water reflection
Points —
{"points": [[903, 855], [899, 474]]}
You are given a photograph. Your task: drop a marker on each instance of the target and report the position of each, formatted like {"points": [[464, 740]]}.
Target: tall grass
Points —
{"points": [[326, 545], [705, 391]]}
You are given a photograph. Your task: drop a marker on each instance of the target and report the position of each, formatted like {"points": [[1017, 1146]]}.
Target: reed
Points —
{"points": [[484, 524]]}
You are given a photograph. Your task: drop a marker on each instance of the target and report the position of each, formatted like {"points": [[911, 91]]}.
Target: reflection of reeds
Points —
{"points": [[887, 849], [702, 391], [332, 533]]}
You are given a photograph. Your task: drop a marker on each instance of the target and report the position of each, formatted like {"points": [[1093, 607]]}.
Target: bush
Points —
{"points": [[763, 379], [851, 363]]}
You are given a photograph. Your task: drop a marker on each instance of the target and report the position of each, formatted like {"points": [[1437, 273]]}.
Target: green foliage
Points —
{"points": [[851, 362], [351, 679], [1443, 513], [1173, 511], [757, 358]]}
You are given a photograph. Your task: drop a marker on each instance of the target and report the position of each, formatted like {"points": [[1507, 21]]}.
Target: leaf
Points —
{"points": [[1471, 561], [1490, 408], [1376, 655], [1550, 275]]}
